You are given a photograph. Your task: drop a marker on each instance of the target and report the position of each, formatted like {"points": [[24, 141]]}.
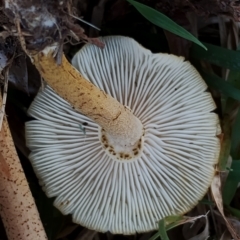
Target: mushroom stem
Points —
{"points": [[17, 207], [122, 128]]}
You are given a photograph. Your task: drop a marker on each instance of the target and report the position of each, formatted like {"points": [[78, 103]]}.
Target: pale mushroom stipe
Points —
{"points": [[123, 167]]}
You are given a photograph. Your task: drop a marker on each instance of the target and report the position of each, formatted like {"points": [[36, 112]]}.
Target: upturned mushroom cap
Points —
{"points": [[179, 153]]}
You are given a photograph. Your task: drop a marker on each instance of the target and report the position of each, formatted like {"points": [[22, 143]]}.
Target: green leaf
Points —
{"points": [[233, 179], [218, 83], [231, 184], [235, 150], [164, 22], [235, 212], [171, 222], [229, 191], [206, 202], [174, 221], [162, 232], [218, 56], [234, 174], [234, 78], [155, 236]]}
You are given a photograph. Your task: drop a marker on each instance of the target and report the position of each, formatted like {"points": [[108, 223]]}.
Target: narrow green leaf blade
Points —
{"points": [[221, 85], [235, 212], [234, 77], [234, 174], [164, 22], [229, 191], [155, 236], [218, 56], [174, 221], [231, 184], [162, 230], [235, 150], [206, 202], [169, 223]]}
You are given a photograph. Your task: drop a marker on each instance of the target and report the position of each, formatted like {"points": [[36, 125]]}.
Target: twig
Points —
{"points": [[80, 19], [20, 35], [5, 87]]}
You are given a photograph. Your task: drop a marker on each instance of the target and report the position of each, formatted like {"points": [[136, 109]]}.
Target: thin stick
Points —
{"points": [[5, 87], [80, 19]]}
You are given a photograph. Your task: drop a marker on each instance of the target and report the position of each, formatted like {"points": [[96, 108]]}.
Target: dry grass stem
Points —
{"points": [[3, 105]]}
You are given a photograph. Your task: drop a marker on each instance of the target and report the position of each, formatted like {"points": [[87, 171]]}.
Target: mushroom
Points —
{"points": [[118, 184], [18, 210]]}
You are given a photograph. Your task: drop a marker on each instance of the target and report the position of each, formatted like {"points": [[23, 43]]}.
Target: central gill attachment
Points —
{"points": [[120, 150]]}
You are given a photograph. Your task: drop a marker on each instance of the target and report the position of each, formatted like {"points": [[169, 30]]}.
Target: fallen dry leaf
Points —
{"points": [[191, 231], [174, 221], [66, 231], [87, 234], [235, 223], [226, 236], [217, 196], [204, 234]]}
